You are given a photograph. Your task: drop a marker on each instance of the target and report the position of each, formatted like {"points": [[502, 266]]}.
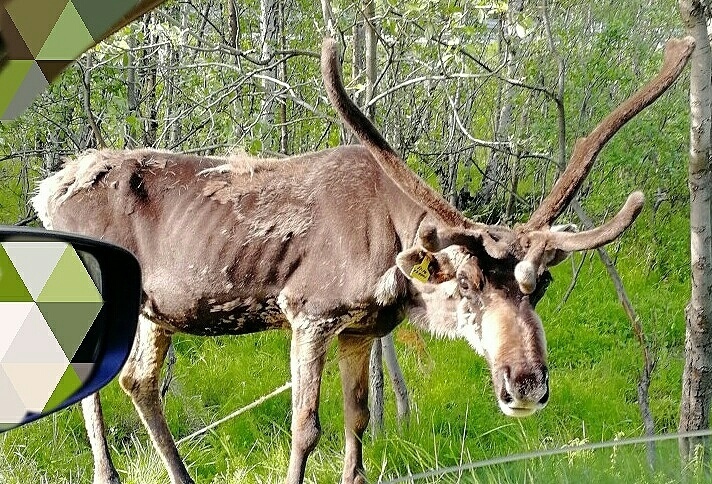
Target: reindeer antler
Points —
{"points": [[601, 235], [369, 136], [677, 52]]}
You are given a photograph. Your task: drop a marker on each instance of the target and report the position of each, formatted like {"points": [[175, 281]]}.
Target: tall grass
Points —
{"points": [[594, 362]]}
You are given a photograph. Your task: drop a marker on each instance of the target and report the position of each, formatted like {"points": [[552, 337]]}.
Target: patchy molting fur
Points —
{"points": [[442, 311], [226, 184], [390, 287], [437, 307]]}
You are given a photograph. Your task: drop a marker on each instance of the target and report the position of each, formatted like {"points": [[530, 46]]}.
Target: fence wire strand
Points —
{"points": [[505, 459], [237, 412]]}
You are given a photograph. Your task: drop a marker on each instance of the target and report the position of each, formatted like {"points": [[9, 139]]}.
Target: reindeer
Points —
{"points": [[337, 244]]}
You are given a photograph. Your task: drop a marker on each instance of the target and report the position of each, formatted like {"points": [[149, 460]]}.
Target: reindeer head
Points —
{"points": [[489, 280], [482, 282]]}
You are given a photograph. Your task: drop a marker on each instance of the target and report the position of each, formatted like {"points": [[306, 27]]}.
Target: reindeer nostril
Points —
{"points": [[545, 398], [505, 396]]}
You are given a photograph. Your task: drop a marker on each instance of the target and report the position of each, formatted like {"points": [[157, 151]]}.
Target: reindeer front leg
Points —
{"points": [[308, 350], [354, 353], [104, 470], [139, 378]]}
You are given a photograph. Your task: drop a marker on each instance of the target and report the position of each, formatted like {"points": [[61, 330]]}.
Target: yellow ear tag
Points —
{"points": [[420, 271]]}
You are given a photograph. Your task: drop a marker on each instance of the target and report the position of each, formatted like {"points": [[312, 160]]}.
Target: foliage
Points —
{"points": [[206, 98], [594, 361]]}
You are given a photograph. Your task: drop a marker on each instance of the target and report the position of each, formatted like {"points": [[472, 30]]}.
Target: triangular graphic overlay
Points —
{"points": [[83, 370], [33, 26], [11, 286], [69, 37], [70, 322], [99, 17], [32, 85], [12, 408], [69, 281], [15, 45], [34, 261], [14, 315], [52, 68], [11, 78], [68, 384], [35, 343], [34, 382]]}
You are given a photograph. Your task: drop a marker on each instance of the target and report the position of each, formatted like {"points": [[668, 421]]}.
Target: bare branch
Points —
{"points": [[86, 99]]}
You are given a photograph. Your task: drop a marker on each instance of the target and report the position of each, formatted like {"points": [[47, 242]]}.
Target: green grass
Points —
{"points": [[594, 361]]}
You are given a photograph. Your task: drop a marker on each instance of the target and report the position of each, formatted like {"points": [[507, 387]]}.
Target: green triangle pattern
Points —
{"points": [[11, 286], [49, 31], [69, 282], [35, 28], [11, 77], [68, 384], [69, 37], [69, 322], [34, 261], [99, 17], [33, 84]]}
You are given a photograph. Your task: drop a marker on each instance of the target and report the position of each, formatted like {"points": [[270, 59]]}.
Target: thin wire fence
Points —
{"points": [[545, 453], [505, 459], [237, 412]]}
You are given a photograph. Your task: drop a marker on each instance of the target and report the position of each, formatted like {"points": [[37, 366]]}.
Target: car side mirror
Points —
{"points": [[68, 315]]}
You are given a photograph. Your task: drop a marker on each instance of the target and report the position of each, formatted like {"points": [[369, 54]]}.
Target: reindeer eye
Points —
{"points": [[463, 283]]}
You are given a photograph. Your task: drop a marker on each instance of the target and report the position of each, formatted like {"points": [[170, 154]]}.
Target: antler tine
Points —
{"points": [[602, 235], [369, 136], [677, 52]]}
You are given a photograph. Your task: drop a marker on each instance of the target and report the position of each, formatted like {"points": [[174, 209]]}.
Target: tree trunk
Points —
{"points": [[268, 39], [150, 74], [130, 133], [358, 66], [365, 58], [174, 107], [367, 63], [375, 400], [369, 11], [697, 373], [232, 23], [91, 120], [282, 73], [394, 371], [496, 172]]}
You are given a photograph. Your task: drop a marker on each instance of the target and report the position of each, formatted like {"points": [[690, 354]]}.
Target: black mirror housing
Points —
{"points": [[68, 316]]}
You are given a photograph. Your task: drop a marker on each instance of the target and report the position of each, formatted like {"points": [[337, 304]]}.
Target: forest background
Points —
{"points": [[481, 99]]}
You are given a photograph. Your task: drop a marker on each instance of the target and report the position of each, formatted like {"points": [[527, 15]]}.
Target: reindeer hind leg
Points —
{"points": [[354, 355]]}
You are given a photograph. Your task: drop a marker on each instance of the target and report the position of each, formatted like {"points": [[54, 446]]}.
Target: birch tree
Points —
{"points": [[365, 61], [269, 10], [697, 373], [496, 168]]}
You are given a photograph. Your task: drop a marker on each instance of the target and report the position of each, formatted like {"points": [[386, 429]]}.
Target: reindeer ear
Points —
{"points": [[416, 263], [422, 265]]}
